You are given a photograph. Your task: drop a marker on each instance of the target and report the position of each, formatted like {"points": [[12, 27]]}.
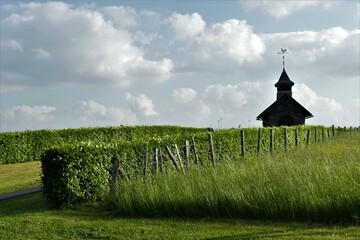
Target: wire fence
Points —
{"points": [[207, 150]]}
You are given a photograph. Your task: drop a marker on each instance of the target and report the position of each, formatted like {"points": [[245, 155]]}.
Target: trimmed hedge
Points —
{"points": [[75, 175], [28, 146], [79, 173]]}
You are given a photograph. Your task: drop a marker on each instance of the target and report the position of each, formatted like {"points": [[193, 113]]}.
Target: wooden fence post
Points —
{"points": [[296, 137], [146, 162], [195, 154], [315, 135], [323, 134], [308, 137], [187, 154], [179, 157], [242, 141], [271, 140], [212, 150], [161, 161], [259, 142], [285, 139], [333, 130], [116, 170], [173, 159], [114, 174], [155, 161]]}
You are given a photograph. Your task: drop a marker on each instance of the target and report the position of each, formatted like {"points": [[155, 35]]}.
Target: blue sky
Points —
{"points": [[106, 63]]}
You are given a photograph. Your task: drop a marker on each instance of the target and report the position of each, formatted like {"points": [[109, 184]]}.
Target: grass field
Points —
{"points": [[30, 217], [18, 176], [320, 183]]}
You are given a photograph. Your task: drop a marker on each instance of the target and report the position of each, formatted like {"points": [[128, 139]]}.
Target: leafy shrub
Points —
{"points": [[75, 175]]}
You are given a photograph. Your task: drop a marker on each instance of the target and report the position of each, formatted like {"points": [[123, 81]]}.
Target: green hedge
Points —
{"points": [[28, 146], [75, 175], [79, 173]]}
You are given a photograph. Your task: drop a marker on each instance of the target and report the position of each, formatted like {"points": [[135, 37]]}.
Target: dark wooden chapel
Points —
{"points": [[285, 111]]}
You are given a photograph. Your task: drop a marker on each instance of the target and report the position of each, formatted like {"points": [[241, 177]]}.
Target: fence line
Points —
{"points": [[190, 151]]}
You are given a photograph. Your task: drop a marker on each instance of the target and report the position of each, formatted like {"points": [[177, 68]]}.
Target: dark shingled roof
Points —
{"points": [[267, 111], [284, 80]]}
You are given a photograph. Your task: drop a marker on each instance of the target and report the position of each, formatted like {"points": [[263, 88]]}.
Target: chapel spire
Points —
{"points": [[284, 84]]}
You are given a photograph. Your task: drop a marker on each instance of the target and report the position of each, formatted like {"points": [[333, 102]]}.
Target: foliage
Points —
{"points": [[79, 173], [30, 145], [76, 174], [320, 184]]}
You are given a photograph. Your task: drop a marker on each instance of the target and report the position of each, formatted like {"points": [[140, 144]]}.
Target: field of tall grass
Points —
{"points": [[319, 183]]}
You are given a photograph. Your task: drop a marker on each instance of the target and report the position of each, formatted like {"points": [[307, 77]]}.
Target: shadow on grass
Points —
{"points": [[88, 219], [25, 204], [280, 234], [36, 203]]}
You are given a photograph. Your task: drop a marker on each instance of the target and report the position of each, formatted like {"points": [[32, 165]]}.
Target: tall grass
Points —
{"points": [[320, 183]]}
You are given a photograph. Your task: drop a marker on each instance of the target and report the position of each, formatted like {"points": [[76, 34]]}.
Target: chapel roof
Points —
{"points": [[284, 80], [273, 106]]}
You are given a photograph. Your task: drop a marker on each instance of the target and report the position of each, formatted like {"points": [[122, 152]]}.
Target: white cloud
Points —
{"points": [[356, 104], [241, 103], [122, 17], [184, 95], [28, 113], [187, 25], [316, 51], [320, 105], [128, 17], [235, 103], [142, 105], [232, 40], [156, 71], [12, 44], [326, 38], [92, 108], [326, 110], [280, 9], [228, 68], [93, 113], [85, 47], [7, 6], [188, 108], [42, 54], [229, 99]]}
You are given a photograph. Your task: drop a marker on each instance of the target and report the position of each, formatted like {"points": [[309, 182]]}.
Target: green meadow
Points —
{"points": [[30, 218], [319, 183], [311, 192]]}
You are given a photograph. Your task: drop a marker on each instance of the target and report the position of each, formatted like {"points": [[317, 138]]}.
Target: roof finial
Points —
{"points": [[283, 52]]}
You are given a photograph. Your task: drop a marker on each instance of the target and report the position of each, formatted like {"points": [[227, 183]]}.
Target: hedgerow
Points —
{"points": [[78, 173], [28, 146]]}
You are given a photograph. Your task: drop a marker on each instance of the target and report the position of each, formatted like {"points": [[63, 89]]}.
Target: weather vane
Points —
{"points": [[283, 52]]}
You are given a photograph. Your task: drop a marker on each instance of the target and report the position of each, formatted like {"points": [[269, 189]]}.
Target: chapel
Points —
{"points": [[285, 111]]}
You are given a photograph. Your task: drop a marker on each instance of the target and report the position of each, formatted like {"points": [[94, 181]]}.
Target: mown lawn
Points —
{"points": [[20, 175], [30, 218]]}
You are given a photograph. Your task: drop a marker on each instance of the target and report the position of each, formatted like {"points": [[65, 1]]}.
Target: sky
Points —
{"points": [[70, 64]]}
